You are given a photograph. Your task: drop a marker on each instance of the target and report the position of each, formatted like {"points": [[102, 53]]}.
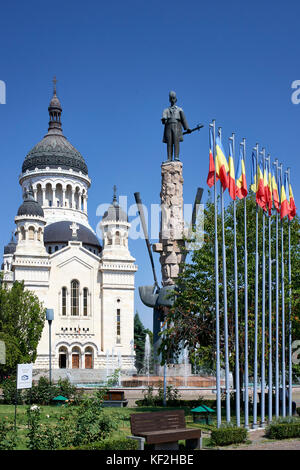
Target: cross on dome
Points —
{"points": [[74, 227]]}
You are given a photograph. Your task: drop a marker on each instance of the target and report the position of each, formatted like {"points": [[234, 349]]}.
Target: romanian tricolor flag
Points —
{"points": [[253, 173], [285, 207], [241, 183], [222, 167], [231, 176], [293, 207], [275, 191], [266, 187], [211, 172], [270, 198], [261, 197]]}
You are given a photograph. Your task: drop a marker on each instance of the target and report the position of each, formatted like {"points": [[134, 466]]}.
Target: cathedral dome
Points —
{"points": [[30, 206], [54, 150], [61, 232], [10, 248]]}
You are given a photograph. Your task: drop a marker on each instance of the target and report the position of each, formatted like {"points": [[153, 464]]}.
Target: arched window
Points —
{"points": [[74, 297], [88, 358], [118, 326], [63, 357], [85, 301], [31, 233], [22, 232], [64, 301], [50, 250], [117, 239]]}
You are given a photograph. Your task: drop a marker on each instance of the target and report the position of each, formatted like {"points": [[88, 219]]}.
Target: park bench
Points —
{"points": [[164, 430]]}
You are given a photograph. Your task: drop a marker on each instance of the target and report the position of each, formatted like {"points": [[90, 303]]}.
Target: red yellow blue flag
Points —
{"points": [[211, 172], [293, 208], [284, 203], [222, 167], [241, 183], [231, 176], [275, 192], [260, 188]]}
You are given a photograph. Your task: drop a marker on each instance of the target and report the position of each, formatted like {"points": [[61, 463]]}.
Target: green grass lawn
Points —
{"points": [[50, 414]]}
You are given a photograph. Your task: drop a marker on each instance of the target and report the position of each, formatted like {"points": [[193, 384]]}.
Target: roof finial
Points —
{"points": [[54, 85], [115, 193]]}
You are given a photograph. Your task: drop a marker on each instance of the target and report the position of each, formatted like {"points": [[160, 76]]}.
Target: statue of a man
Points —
{"points": [[174, 119]]}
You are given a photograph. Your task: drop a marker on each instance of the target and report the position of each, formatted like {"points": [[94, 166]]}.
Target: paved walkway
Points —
{"points": [[260, 442]]}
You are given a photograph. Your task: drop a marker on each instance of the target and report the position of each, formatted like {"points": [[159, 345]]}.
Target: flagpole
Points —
{"points": [[277, 306], [236, 311], [246, 303], [282, 315], [225, 301], [219, 418], [290, 312], [270, 311], [256, 305], [262, 382]]}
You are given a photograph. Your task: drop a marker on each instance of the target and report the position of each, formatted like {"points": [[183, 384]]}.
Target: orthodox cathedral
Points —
{"points": [[57, 254]]}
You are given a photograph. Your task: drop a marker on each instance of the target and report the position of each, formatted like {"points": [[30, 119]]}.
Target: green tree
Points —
{"points": [[192, 320], [22, 319]]}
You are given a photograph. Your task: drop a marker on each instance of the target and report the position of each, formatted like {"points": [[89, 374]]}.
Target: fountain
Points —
{"points": [[119, 367], [186, 365], [147, 355]]}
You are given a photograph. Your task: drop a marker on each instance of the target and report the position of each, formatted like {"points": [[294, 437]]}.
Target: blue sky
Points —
{"points": [[116, 62]]}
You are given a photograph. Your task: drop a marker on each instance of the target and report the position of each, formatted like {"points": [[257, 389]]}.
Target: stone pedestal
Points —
{"points": [[171, 245]]}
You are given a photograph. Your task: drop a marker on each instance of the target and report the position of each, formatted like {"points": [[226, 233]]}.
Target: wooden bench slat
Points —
{"points": [[157, 437], [157, 421]]}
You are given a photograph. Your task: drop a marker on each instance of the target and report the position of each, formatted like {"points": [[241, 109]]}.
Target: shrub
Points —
{"points": [[226, 435], [284, 429], [298, 410], [172, 396], [91, 423], [9, 387], [41, 393], [7, 436], [110, 444]]}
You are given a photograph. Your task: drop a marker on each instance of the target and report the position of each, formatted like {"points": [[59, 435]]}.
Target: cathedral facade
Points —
{"points": [[57, 254]]}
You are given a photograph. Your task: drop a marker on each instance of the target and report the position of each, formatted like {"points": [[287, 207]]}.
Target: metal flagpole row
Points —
{"points": [[263, 332]]}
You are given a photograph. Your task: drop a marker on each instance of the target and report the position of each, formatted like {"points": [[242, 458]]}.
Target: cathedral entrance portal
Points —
{"points": [[75, 361], [62, 361]]}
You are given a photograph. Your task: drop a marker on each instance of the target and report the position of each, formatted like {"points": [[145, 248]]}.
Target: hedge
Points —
{"points": [[228, 435], [283, 430], [109, 444]]}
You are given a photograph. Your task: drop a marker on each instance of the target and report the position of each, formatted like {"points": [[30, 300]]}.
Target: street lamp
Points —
{"points": [[50, 318]]}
